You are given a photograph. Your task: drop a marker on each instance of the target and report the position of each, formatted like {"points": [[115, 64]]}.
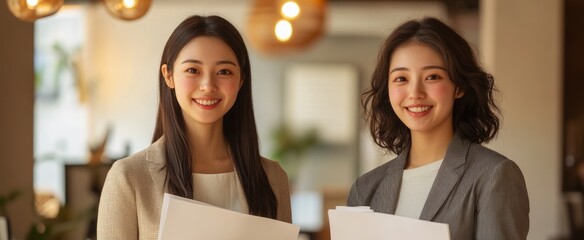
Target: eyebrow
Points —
{"points": [[424, 68], [200, 62]]}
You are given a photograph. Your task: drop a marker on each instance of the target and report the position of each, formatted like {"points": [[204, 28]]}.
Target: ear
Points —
{"points": [[458, 93], [167, 76]]}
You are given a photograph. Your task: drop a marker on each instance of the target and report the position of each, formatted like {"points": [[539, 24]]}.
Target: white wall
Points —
{"points": [[522, 47]]}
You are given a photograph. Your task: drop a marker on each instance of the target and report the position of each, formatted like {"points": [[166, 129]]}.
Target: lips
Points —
{"points": [[418, 109], [207, 102]]}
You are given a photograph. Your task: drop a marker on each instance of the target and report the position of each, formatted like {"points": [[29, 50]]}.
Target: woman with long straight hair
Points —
{"points": [[432, 104], [205, 144]]}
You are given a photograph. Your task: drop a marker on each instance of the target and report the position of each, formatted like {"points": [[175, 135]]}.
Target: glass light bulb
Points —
{"points": [[290, 10], [283, 30], [127, 9], [30, 10], [129, 3], [32, 3]]}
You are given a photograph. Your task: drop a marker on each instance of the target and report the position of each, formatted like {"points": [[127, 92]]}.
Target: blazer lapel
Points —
{"points": [[448, 176], [155, 156], [385, 198]]}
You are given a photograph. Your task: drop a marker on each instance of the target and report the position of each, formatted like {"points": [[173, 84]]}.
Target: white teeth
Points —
{"points": [[206, 102], [418, 109]]}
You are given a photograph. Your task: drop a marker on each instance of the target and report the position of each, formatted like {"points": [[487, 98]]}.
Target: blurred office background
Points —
{"points": [[79, 90]]}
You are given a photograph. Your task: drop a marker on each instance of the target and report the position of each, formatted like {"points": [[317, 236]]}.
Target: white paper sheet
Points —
{"points": [[183, 218], [350, 223], [3, 228]]}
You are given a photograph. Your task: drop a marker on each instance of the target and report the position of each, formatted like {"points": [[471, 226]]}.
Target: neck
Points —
{"points": [[209, 149], [428, 147]]}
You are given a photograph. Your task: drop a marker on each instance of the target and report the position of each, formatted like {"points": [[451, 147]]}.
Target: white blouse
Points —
{"points": [[217, 189], [415, 187]]}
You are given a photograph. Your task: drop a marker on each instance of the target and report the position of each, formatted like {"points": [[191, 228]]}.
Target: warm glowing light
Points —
{"points": [[31, 10], [129, 3], [290, 10], [283, 30], [46, 204], [127, 9], [32, 3], [277, 27]]}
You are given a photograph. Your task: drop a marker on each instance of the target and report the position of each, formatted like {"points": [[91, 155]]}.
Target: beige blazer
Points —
{"points": [[478, 192], [132, 195]]}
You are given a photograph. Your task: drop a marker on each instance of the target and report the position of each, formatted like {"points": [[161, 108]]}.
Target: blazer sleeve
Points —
{"points": [[503, 204], [353, 198], [284, 206], [117, 217], [278, 180]]}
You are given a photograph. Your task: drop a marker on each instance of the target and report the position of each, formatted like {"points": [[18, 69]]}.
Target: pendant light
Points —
{"points": [[284, 26], [30, 10], [127, 9]]}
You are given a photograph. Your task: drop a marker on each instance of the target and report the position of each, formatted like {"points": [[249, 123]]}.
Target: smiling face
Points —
{"points": [[420, 90], [206, 78]]}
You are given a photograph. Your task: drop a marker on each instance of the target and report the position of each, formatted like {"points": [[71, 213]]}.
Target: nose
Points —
{"points": [[208, 84], [417, 89]]}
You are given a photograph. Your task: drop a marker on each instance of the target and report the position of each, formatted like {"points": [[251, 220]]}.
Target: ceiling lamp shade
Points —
{"points": [[283, 26], [30, 10], [127, 9]]}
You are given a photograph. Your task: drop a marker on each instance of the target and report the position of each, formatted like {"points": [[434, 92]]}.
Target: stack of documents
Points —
{"points": [[349, 223], [183, 218]]}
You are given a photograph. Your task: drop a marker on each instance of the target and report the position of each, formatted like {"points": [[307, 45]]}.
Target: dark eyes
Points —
{"points": [[220, 72], [192, 70], [430, 77], [400, 79], [224, 72]]}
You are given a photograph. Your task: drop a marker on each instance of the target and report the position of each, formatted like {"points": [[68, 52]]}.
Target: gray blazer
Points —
{"points": [[478, 192]]}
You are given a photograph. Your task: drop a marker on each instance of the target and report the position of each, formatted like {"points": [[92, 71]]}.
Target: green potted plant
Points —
{"points": [[290, 147]]}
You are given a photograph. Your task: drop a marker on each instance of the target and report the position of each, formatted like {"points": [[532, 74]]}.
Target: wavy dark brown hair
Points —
{"points": [[475, 114], [239, 125]]}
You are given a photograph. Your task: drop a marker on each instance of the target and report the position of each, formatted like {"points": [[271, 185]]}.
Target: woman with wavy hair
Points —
{"points": [[205, 145], [432, 104]]}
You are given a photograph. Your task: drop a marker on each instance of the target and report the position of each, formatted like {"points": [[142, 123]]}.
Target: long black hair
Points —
{"points": [[239, 126], [475, 114]]}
